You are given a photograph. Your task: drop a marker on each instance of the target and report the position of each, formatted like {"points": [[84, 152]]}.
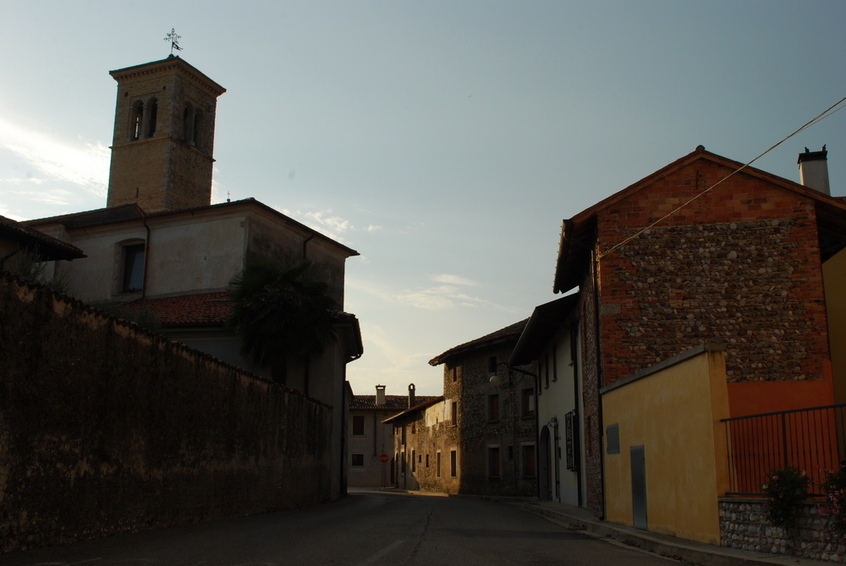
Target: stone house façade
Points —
{"points": [[370, 440], [481, 438]]}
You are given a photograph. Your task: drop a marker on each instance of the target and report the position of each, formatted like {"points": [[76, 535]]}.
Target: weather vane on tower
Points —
{"points": [[174, 40]]}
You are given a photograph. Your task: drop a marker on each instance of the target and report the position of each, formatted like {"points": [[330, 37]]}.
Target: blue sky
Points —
{"points": [[445, 141]]}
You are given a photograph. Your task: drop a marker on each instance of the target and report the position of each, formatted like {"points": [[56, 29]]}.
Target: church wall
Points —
{"points": [[107, 429], [288, 244]]}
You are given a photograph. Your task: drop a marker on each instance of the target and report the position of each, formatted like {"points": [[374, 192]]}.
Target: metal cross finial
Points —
{"points": [[174, 40]]}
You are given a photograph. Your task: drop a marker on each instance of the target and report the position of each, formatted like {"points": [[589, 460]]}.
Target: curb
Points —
{"points": [[666, 546]]}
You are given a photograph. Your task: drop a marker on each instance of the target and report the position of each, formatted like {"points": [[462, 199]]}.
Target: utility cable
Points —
{"points": [[819, 117]]}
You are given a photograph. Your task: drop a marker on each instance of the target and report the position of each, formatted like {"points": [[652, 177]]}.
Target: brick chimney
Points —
{"points": [[380, 395], [813, 170], [411, 400]]}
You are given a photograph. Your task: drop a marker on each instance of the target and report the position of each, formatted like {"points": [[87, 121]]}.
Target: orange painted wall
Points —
{"points": [[755, 397]]}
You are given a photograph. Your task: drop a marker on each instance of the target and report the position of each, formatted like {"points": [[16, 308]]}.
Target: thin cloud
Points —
{"points": [[441, 297], [328, 223], [49, 159], [454, 280]]}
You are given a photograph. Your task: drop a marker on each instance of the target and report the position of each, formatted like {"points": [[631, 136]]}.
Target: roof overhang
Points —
{"points": [[348, 332], [48, 247], [419, 407], [545, 322]]}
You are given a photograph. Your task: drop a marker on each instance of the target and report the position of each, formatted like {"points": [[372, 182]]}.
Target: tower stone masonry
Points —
{"points": [[162, 148]]}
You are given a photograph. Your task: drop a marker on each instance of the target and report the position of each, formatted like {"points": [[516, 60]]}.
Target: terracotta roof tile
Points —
{"points": [[202, 309], [392, 402]]}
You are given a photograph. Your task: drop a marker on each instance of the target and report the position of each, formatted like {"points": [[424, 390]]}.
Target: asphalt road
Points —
{"points": [[364, 528]]}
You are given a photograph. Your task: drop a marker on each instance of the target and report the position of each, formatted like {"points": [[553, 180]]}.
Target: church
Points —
{"points": [[160, 244]]}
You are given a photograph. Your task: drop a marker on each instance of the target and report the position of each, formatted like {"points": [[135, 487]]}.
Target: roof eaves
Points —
{"points": [[419, 407], [545, 321], [510, 333]]}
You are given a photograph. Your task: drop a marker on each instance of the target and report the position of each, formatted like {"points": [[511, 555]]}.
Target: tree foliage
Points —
{"points": [[29, 265], [279, 313]]}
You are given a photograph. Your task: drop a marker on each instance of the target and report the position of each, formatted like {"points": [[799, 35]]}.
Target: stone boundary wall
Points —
{"points": [[105, 428], [744, 525]]}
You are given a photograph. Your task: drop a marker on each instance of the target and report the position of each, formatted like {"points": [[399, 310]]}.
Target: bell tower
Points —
{"points": [[164, 136]]}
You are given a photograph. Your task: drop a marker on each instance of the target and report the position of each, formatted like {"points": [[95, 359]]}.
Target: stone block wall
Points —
{"points": [[592, 419], [744, 525], [106, 429], [739, 265], [477, 431]]}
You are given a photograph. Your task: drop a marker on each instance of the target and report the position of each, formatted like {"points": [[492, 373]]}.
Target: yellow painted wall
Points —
{"points": [[675, 414], [834, 279]]}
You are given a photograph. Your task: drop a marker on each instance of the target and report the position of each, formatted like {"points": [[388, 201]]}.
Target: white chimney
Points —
{"points": [[380, 395], [411, 401], [813, 170]]}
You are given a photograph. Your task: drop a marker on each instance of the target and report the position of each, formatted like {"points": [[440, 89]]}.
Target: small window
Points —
{"points": [[546, 370], [133, 268], [492, 364], [453, 463], [357, 460], [438, 464], [413, 461], [528, 451], [493, 407], [427, 460], [454, 372], [612, 439], [453, 408], [528, 403], [414, 427], [493, 462], [358, 425], [554, 363]]}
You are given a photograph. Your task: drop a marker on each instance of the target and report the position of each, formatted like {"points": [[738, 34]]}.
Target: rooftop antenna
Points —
{"points": [[174, 40]]}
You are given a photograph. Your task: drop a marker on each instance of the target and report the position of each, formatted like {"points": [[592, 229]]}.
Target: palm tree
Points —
{"points": [[280, 314]]}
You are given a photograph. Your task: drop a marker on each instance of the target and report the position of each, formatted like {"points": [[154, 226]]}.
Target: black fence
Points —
{"points": [[812, 440]]}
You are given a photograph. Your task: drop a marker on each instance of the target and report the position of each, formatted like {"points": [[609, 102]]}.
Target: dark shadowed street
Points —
{"points": [[364, 528]]}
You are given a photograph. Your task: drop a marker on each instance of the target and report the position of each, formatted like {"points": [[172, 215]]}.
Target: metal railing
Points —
{"points": [[812, 440]]}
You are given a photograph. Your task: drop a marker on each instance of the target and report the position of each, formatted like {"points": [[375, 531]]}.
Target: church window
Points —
{"points": [[133, 268], [150, 117], [136, 120], [188, 123], [198, 129]]}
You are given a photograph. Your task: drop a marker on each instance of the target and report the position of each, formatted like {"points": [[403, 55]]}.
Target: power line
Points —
{"points": [[819, 117]]}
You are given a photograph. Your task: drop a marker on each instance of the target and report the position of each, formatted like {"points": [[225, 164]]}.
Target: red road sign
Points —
{"points": [[383, 458]]}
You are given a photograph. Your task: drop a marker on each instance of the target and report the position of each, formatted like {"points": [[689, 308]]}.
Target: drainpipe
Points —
{"points": [[305, 243], [599, 374]]}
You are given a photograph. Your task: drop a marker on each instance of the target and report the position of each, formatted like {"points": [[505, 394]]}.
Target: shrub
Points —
{"points": [[834, 504], [785, 489]]}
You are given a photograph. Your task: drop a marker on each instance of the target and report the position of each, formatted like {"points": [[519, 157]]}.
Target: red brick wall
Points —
{"points": [[740, 265]]}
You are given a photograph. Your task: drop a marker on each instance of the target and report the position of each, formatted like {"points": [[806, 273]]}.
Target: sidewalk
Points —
{"points": [[689, 551]]}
